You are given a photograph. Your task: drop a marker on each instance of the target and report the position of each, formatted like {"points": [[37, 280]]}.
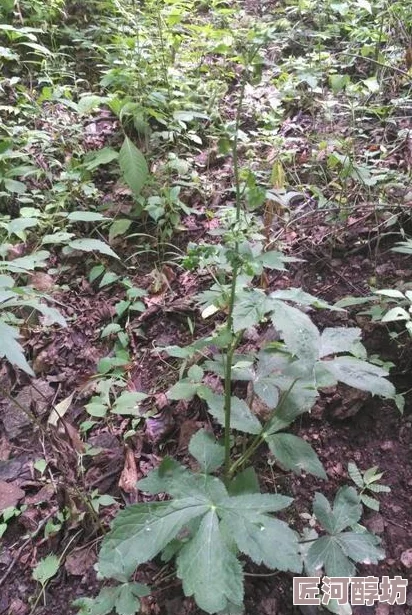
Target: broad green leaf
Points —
{"points": [[13, 185], [93, 160], [119, 227], [88, 103], [379, 488], [127, 602], [300, 335], [184, 389], [11, 349], [346, 511], [245, 482], [92, 245], [27, 263], [19, 225], [365, 4], [56, 238], [86, 216], [335, 340], [300, 399], [295, 454], [264, 539], [241, 417], [360, 547], [134, 166], [250, 308], [361, 375], [207, 451], [275, 260], [128, 403], [396, 313], [327, 553], [209, 570], [300, 296], [141, 531], [46, 569], [392, 293], [250, 504], [124, 599], [195, 373]]}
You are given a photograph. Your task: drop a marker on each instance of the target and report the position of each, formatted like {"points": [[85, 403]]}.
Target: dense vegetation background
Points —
{"points": [[205, 286]]}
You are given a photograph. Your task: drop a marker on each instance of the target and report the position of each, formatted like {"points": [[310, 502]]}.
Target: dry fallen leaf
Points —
{"points": [[129, 476], [79, 561]]}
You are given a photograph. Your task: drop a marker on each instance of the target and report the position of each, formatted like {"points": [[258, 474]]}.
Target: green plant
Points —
{"points": [[210, 521], [368, 481]]}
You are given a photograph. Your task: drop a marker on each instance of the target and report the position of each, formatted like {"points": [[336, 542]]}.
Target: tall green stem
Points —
{"points": [[229, 326]]}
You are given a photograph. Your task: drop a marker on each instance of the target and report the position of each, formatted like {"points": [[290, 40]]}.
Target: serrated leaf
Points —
{"points": [[379, 488], [46, 569], [335, 340], [134, 166], [207, 451], [92, 245], [361, 375], [241, 417], [250, 308], [346, 511], [209, 570], [245, 482], [327, 553], [295, 454], [370, 502], [300, 335], [264, 539], [300, 296], [11, 349], [195, 373], [127, 601], [141, 531], [184, 389], [355, 474], [360, 547], [299, 400]]}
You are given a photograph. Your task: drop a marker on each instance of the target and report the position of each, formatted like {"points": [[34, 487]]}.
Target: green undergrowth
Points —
{"points": [[303, 108]]}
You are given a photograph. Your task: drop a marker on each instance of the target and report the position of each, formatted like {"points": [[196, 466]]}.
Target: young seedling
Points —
{"points": [[367, 481]]}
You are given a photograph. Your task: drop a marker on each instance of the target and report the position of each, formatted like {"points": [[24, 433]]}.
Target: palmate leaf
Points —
{"points": [[337, 551], [346, 510], [295, 454], [361, 375], [123, 599], [250, 308], [141, 531], [218, 525], [133, 166]]}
